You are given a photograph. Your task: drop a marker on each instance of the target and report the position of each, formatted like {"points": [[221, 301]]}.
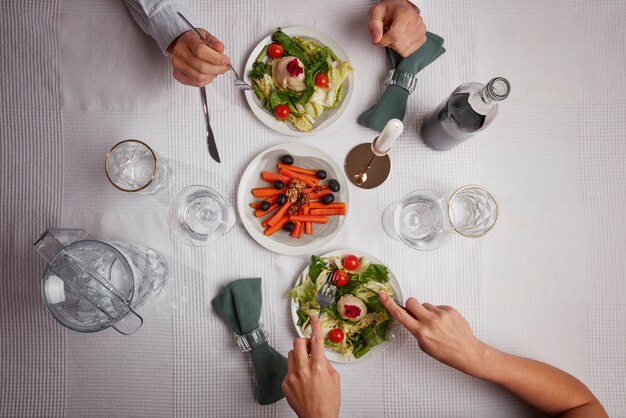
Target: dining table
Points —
{"points": [[549, 282]]}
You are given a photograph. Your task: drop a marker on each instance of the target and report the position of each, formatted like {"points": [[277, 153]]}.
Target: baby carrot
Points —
{"points": [[319, 195], [297, 169], [296, 232], [329, 211], [298, 176], [259, 213], [270, 177], [310, 218], [270, 200], [270, 230], [280, 214], [262, 192]]}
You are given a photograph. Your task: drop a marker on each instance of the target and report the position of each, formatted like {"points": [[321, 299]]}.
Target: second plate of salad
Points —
{"points": [[302, 81], [356, 325]]}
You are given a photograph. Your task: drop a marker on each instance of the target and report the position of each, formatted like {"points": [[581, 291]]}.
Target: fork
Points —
{"points": [[326, 295], [239, 83]]}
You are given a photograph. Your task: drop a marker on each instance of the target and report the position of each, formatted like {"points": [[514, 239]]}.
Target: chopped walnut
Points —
{"points": [[293, 192], [292, 195]]}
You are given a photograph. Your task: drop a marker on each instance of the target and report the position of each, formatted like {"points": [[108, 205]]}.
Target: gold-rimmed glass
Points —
{"points": [[424, 220], [133, 166]]}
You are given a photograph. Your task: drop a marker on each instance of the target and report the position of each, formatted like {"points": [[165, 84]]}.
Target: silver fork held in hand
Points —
{"points": [[326, 295], [239, 83]]}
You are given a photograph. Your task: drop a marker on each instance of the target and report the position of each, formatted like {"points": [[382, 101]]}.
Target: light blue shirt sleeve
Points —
{"points": [[158, 19]]}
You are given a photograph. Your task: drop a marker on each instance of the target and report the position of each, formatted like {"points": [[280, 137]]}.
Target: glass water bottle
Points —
{"points": [[470, 108]]}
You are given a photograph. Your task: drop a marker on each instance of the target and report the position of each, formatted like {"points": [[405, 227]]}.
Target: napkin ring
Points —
{"points": [[251, 339], [402, 79]]}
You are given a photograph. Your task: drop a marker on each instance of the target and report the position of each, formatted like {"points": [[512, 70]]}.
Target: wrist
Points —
{"points": [[487, 362]]}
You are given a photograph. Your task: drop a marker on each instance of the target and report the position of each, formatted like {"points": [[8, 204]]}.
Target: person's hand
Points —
{"points": [[193, 62], [311, 386], [442, 333], [398, 25]]}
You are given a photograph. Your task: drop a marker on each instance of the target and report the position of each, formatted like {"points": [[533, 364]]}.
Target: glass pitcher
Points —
{"points": [[90, 285]]}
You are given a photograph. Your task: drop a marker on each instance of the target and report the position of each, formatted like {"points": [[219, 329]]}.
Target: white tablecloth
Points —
{"points": [[548, 282]]}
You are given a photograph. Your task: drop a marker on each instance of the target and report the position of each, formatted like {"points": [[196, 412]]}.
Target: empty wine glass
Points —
{"points": [[132, 166], [198, 215], [425, 221]]}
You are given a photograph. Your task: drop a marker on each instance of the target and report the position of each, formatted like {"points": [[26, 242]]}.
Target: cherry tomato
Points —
{"points": [[282, 111], [351, 262], [336, 335], [321, 80], [275, 51], [340, 278]]}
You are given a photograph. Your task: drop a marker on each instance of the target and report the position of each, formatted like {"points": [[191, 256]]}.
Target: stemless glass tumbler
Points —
{"points": [[132, 166], [198, 215], [425, 221]]}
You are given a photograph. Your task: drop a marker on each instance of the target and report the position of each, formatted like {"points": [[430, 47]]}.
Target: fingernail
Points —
{"points": [[383, 297], [375, 36]]}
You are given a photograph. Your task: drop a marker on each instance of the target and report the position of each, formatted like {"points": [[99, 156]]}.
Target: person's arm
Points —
{"points": [[445, 335], [397, 24], [312, 386], [193, 62], [158, 19]]}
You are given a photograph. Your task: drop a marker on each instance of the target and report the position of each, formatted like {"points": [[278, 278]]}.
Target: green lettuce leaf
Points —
{"points": [[317, 265], [259, 69], [375, 335], [375, 272], [289, 46]]}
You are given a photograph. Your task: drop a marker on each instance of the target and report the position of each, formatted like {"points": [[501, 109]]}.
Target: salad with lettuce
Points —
{"points": [[297, 79], [356, 321]]}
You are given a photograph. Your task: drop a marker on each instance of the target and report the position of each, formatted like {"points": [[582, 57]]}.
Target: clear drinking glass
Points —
{"points": [[132, 166], [199, 215], [425, 221]]}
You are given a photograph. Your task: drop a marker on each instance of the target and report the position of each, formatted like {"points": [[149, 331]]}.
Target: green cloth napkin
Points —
{"points": [[392, 104], [239, 305]]}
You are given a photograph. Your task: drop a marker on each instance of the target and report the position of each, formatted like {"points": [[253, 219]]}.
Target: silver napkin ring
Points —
{"points": [[251, 339], [402, 79]]}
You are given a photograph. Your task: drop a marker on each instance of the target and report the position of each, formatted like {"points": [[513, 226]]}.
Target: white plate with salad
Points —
{"points": [[356, 326], [302, 81]]}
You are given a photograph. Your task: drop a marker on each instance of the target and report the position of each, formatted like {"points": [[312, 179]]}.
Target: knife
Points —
{"points": [[210, 139]]}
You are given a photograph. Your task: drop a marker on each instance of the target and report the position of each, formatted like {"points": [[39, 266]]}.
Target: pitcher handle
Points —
{"points": [[129, 324], [54, 240]]}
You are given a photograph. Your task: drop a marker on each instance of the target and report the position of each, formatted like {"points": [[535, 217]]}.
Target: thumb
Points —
{"points": [[376, 22], [212, 41]]}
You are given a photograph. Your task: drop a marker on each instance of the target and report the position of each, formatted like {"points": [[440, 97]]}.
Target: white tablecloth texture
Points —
{"points": [[549, 282]]}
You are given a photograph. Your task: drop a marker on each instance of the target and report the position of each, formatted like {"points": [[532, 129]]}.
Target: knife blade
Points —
{"points": [[210, 139]]}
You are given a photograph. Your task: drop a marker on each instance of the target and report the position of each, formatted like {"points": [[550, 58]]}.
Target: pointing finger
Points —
{"points": [[417, 309], [398, 313], [317, 340]]}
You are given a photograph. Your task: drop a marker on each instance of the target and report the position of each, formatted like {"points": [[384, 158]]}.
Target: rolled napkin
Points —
{"points": [[239, 305], [392, 104]]}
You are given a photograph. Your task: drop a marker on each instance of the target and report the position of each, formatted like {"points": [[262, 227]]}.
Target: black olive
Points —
{"points": [[282, 199], [334, 185], [278, 185], [289, 226], [321, 174], [286, 159], [328, 199], [264, 206]]}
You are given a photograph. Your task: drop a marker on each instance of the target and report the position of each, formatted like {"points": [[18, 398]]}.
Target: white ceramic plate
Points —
{"points": [[327, 118], [281, 242], [331, 354]]}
